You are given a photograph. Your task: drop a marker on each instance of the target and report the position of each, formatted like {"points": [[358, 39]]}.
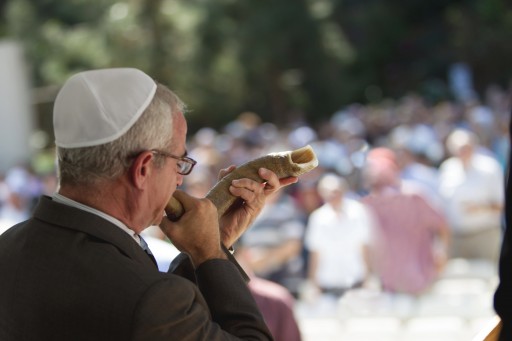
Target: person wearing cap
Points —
{"points": [[473, 197], [337, 238], [78, 268]]}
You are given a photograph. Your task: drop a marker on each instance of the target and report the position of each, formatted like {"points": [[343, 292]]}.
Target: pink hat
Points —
{"points": [[382, 167]]}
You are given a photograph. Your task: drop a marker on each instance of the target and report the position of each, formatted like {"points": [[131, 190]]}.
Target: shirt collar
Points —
{"points": [[67, 201]]}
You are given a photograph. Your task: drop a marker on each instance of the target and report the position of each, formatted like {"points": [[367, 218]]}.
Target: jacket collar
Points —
{"points": [[68, 217]]}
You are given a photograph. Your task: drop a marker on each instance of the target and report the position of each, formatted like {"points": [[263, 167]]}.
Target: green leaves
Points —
{"points": [[275, 58]]}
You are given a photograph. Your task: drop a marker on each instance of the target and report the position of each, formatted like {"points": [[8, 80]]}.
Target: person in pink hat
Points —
{"points": [[410, 241], [78, 269]]}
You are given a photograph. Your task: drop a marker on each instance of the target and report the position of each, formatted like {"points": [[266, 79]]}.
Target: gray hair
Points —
{"points": [[153, 130]]}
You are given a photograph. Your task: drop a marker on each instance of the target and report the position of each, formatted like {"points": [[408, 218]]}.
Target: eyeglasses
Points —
{"points": [[185, 164]]}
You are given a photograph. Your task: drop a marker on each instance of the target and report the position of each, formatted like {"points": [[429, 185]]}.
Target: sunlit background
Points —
{"points": [[260, 76]]}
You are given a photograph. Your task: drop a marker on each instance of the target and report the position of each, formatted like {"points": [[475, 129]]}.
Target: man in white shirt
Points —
{"points": [[337, 237], [471, 184]]}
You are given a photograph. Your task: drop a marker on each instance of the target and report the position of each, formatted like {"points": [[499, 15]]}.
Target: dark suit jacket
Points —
{"points": [[503, 295], [66, 274]]}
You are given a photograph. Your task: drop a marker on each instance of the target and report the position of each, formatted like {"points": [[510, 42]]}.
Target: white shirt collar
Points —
{"points": [[67, 201]]}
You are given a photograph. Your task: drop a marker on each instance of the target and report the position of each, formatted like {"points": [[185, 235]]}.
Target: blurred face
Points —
{"points": [[332, 195], [331, 189], [465, 153]]}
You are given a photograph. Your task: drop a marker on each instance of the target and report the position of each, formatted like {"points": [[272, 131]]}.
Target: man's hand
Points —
{"points": [[251, 199], [196, 233]]}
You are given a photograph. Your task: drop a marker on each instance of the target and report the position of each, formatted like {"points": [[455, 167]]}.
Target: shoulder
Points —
{"points": [[354, 204], [449, 164], [325, 208], [169, 288], [486, 164]]}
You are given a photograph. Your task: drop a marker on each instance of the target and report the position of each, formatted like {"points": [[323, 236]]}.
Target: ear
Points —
{"points": [[141, 169]]}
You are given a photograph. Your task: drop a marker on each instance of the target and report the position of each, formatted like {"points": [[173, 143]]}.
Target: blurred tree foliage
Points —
{"points": [[285, 60]]}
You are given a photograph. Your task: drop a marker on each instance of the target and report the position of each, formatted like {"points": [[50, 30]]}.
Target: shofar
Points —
{"points": [[283, 164]]}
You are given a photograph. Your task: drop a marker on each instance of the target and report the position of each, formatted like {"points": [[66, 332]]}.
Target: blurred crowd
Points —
{"points": [[401, 187]]}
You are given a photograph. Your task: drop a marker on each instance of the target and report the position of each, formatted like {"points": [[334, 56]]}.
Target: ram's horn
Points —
{"points": [[284, 164]]}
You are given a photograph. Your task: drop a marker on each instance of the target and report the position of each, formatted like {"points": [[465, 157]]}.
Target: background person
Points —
{"points": [[337, 238], [275, 243], [276, 303], [469, 183], [410, 241]]}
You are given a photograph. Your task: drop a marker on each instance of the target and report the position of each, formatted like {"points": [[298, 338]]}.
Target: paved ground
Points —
{"points": [[457, 308]]}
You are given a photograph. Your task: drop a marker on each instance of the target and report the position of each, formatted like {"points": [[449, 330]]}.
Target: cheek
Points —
{"points": [[170, 186]]}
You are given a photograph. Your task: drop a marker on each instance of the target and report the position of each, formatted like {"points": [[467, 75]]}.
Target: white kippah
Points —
{"points": [[99, 106]]}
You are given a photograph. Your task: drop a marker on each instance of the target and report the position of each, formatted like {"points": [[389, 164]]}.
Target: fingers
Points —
{"points": [[247, 189], [226, 171], [270, 178], [288, 181], [273, 182], [251, 195], [197, 231]]}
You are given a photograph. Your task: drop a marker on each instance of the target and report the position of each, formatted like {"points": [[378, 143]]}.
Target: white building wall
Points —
{"points": [[16, 109]]}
